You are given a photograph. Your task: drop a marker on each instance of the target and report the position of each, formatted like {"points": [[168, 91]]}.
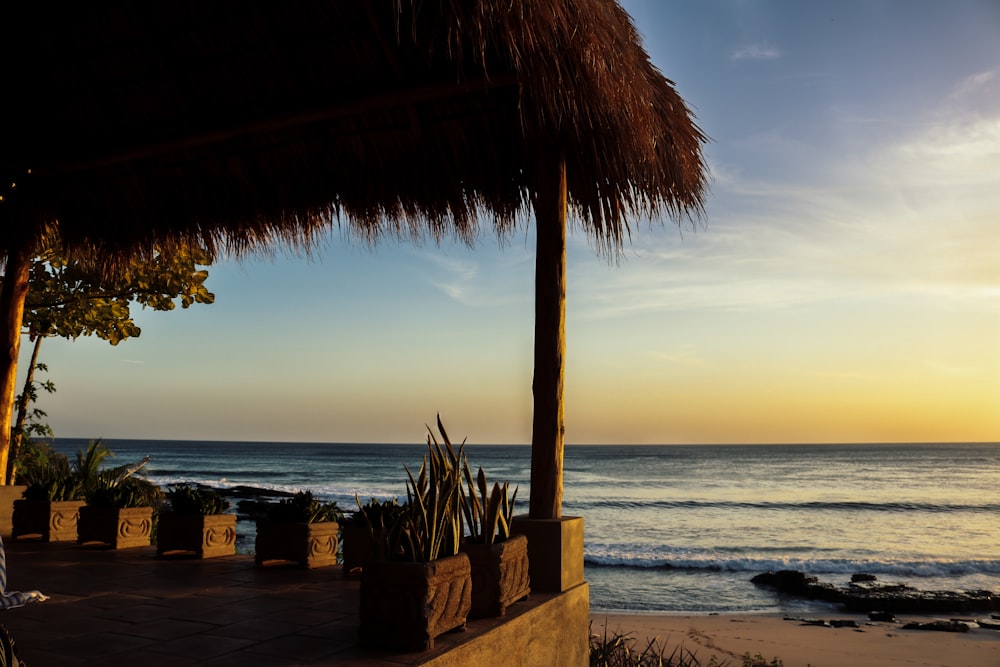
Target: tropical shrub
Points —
{"points": [[304, 508], [48, 474], [111, 490], [193, 500], [122, 486]]}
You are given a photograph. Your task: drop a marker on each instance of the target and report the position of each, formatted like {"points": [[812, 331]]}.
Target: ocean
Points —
{"points": [[678, 529]]}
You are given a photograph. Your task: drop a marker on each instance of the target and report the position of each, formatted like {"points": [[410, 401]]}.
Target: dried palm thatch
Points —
{"points": [[133, 126], [144, 121]]}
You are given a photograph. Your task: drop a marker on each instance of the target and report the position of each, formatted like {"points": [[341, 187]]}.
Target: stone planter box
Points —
{"points": [[48, 521], [308, 545], [115, 527], [406, 605], [207, 536], [357, 547], [499, 575]]}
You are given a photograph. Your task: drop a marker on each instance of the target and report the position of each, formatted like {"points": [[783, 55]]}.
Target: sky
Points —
{"points": [[843, 284]]}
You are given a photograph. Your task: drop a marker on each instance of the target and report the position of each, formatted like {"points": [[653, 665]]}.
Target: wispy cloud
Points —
{"points": [[482, 284], [905, 218], [976, 84], [758, 51], [454, 277]]}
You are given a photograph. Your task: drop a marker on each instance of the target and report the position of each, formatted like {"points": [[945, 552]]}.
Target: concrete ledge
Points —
{"points": [[555, 551], [555, 631], [550, 629]]}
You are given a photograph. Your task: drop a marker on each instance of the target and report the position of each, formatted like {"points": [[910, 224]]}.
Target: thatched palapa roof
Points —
{"points": [[239, 123], [131, 125]]}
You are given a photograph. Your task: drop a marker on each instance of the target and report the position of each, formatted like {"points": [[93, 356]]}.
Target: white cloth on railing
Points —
{"points": [[12, 599]]}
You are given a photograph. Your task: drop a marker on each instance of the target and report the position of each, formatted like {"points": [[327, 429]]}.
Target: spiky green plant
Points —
{"points": [[376, 513], [488, 512], [382, 519], [431, 524]]}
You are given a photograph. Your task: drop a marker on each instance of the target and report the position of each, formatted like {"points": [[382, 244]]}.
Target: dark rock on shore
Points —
{"points": [[882, 616], [254, 492], [868, 595], [834, 623], [252, 501], [798, 584], [940, 626]]}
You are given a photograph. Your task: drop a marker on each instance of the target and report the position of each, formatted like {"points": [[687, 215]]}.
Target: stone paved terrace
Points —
{"points": [[129, 607]]}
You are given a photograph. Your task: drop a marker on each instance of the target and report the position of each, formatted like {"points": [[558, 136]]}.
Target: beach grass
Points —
{"points": [[616, 649]]}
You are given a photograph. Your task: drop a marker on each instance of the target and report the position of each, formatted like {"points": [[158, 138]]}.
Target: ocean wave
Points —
{"points": [[181, 474], [812, 506], [222, 483], [343, 496], [755, 564]]}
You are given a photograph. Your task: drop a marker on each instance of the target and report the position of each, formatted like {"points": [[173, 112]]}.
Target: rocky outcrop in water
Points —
{"points": [[865, 594]]}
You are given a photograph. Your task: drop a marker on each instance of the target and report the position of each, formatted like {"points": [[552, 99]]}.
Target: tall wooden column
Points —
{"points": [[13, 291], [555, 542], [548, 429]]}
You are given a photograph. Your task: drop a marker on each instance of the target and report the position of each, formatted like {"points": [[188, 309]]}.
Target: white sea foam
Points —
{"points": [[685, 528], [753, 564]]}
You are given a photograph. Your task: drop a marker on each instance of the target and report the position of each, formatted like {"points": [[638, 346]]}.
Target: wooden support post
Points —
{"points": [[13, 291], [548, 429]]}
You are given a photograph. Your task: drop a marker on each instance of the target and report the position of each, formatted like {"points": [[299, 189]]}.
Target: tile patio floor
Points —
{"points": [[129, 607]]}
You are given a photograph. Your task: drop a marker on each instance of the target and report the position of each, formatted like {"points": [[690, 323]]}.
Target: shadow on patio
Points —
{"points": [[129, 607]]}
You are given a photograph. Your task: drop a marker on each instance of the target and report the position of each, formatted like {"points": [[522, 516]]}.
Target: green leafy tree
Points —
{"points": [[67, 300], [29, 423]]}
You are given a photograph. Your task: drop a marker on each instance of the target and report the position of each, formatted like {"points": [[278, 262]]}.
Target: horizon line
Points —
{"points": [[509, 444]]}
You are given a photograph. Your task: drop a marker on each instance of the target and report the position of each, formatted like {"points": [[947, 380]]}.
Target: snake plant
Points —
{"points": [[488, 512], [431, 524]]}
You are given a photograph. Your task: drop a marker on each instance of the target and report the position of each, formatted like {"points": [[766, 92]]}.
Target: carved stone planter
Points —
{"points": [[406, 605], [201, 536], [358, 547], [47, 521], [308, 545], [499, 575], [118, 528]]}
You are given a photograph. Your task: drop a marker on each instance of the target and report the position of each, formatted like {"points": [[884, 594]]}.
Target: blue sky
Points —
{"points": [[843, 285]]}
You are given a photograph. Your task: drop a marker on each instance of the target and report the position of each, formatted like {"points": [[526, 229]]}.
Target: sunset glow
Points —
{"points": [[843, 285]]}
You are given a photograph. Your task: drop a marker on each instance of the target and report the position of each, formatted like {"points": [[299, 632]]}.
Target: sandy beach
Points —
{"points": [[729, 637]]}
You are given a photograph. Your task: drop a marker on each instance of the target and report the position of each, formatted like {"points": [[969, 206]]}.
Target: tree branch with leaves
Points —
{"points": [[67, 300]]}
